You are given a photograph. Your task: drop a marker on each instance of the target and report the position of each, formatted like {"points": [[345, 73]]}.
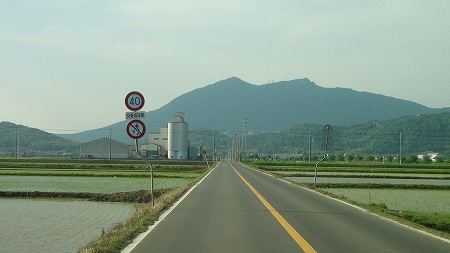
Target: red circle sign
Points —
{"points": [[136, 129], [134, 101]]}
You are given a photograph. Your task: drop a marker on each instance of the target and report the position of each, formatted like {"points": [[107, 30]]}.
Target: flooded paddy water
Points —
{"points": [[55, 225], [37, 225]]}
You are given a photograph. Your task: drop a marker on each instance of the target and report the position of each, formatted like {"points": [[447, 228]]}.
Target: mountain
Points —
{"points": [[31, 141], [271, 107]]}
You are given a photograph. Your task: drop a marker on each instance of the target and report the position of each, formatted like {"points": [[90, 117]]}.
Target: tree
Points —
{"points": [[340, 157], [389, 158], [380, 158], [369, 158], [411, 159], [439, 159], [358, 157], [348, 157], [426, 159], [331, 157]]}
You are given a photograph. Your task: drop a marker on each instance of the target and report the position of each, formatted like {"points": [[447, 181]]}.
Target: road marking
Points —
{"points": [[306, 247]]}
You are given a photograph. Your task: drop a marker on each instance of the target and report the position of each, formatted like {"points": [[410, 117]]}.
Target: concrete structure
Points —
{"points": [[171, 142], [178, 143], [157, 144], [106, 148]]}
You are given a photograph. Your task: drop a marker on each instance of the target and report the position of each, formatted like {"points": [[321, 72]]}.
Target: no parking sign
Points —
{"points": [[136, 129]]}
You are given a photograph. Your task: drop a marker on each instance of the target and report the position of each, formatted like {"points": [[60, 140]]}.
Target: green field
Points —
{"points": [[83, 176], [86, 184], [422, 201]]}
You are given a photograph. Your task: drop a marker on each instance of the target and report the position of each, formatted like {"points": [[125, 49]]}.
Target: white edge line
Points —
{"points": [[140, 237], [354, 206]]}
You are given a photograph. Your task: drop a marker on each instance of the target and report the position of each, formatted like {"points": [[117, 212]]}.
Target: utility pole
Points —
{"points": [[309, 147], [400, 148], [17, 145], [110, 151], [214, 146], [237, 147], [244, 135]]}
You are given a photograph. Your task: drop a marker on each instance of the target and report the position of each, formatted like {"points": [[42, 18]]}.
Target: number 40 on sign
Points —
{"points": [[134, 101]]}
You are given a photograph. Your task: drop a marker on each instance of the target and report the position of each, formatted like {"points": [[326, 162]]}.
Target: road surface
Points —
{"points": [[237, 209]]}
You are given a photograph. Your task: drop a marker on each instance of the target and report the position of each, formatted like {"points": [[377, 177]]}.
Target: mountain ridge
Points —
{"points": [[271, 107]]}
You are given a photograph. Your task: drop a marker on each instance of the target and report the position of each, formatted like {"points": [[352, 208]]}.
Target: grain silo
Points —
{"points": [[178, 144]]}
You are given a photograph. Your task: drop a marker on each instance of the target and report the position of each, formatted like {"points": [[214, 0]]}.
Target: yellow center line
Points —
{"points": [[291, 230]]}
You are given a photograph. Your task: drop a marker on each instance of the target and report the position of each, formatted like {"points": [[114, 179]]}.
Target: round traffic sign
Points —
{"points": [[134, 101], [135, 129]]}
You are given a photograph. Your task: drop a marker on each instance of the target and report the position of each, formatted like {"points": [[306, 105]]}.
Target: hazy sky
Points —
{"points": [[68, 65]]}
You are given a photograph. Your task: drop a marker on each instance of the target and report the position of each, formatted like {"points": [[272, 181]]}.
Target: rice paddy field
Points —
{"points": [[419, 193], [38, 225], [422, 201], [363, 180], [65, 225], [86, 184]]}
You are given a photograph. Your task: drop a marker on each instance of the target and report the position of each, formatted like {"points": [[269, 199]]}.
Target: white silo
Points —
{"points": [[178, 143]]}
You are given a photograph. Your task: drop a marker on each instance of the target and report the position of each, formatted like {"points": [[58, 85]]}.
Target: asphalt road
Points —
{"points": [[237, 209]]}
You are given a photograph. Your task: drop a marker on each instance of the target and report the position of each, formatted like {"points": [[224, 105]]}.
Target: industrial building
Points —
{"points": [[106, 148], [157, 144], [178, 143], [171, 142]]}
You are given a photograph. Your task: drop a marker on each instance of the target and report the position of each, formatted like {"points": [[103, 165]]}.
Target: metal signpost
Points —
{"points": [[135, 128], [326, 144]]}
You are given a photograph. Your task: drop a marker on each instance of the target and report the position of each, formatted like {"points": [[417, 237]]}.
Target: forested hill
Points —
{"points": [[32, 141], [270, 107], [421, 133]]}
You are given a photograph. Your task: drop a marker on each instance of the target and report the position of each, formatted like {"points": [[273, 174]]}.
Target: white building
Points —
{"points": [[106, 148], [171, 142], [157, 143], [432, 156], [178, 143]]}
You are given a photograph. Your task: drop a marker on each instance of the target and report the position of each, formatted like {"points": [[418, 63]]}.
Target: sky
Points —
{"points": [[66, 66]]}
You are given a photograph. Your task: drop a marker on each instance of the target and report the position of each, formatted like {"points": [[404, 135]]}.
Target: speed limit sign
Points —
{"points": [[134, 101]]}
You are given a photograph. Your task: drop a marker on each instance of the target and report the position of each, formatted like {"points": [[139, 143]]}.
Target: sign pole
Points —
{"points": [[151, 172], [134, 101]]}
